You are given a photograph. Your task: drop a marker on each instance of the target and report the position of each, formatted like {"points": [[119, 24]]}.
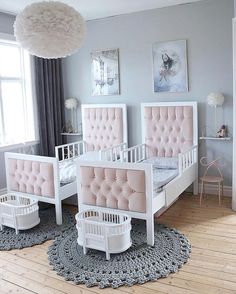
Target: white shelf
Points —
{"points": [[215, 138], [71, 134]]}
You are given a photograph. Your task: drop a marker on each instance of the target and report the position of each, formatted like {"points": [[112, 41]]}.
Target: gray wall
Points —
{"points": [[6, 23], [207, 27]]}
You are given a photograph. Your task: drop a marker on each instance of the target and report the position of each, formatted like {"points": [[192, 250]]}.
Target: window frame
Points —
{"points": [[11, 39]]}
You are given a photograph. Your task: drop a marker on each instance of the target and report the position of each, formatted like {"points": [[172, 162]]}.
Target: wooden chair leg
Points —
{"points": [[219, 188], [201, 192]]}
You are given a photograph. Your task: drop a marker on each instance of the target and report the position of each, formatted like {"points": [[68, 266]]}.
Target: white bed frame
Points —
{"points": [[131, 160]]}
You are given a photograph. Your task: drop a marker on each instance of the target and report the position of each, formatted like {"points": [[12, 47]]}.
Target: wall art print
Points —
{"points": [[170, 66], [105, 72]]}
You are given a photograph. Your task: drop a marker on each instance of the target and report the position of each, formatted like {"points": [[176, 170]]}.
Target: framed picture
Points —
{"points": [[170, 66], [105, 72]]}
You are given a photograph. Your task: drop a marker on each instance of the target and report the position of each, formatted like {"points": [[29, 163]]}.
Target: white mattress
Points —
{"points": [[161, 177], [165, 169]]}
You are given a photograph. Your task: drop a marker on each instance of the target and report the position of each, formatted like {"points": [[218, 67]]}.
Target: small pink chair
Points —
{"points": [[219, 180]]}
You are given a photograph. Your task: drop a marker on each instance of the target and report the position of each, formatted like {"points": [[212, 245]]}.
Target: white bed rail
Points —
{"points": [[134, 154], [188, 158], [71, 150], [113, 153]]}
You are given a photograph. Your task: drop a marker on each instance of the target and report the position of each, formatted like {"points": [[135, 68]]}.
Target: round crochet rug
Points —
{"points": [[47, 229], [139, 264]]}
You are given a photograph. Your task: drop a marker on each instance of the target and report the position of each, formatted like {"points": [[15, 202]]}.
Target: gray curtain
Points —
{"points": [[50, 102]]}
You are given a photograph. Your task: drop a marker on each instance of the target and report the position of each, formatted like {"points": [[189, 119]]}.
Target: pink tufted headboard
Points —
{"points": [[114, 188], [103, 127], [33, 177], [168, 130]]}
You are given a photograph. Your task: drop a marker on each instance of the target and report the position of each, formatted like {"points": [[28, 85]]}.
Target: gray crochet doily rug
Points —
{"points": [[47, 229], [139, 264]]}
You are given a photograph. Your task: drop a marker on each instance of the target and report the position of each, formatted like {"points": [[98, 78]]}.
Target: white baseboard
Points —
{"points": [[213, 189], [3, 191]]}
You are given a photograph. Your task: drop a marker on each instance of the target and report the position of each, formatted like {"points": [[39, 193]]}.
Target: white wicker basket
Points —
{"points": [[105, 231], [20, 213]]}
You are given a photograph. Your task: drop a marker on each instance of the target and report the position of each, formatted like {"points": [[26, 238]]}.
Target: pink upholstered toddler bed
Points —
{"points": [[168, 130], [104, 128]]}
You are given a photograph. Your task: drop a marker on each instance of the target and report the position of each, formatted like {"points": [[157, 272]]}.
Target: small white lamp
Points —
{"points": [[72, 104], [215, 99]]}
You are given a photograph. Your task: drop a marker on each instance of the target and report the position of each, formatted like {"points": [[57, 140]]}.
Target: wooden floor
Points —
{"points": [[211, 268]]}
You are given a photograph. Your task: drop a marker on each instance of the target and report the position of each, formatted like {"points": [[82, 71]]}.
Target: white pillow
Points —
{"points": [[163, 162], [67, 171]]}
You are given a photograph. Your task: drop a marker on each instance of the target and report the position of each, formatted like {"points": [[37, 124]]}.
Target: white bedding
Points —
{"points": [[163, 162], [161, 177], [165, 169], [67, 171]]}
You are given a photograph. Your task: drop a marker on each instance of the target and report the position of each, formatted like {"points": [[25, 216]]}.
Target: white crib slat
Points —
{"points": [[115, 153], [189, 158], [135, 155]]}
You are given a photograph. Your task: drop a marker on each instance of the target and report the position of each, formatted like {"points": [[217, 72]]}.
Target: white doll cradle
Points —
{"points": [[104, 231], [20, 213]]}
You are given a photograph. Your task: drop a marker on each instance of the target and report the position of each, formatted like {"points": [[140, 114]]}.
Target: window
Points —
{"points": [[17, 119]]}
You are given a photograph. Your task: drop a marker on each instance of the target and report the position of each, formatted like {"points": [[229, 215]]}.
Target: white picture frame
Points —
{"points": [[170, 67], [105, 72]]}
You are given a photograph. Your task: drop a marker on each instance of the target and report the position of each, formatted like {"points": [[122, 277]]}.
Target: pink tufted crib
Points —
{"points": [[168, 130]]}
